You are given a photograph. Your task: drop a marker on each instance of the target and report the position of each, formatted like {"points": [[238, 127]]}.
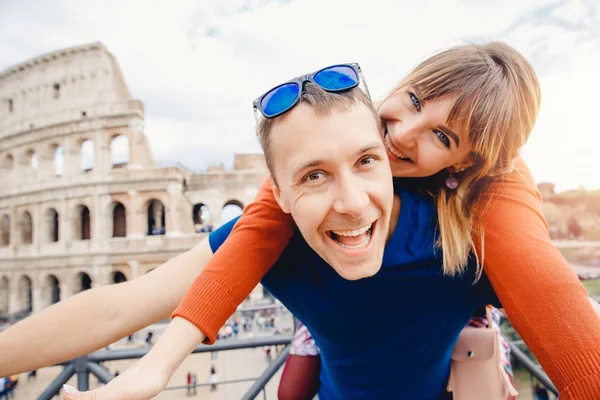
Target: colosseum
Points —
{"points": [[82, 202]]}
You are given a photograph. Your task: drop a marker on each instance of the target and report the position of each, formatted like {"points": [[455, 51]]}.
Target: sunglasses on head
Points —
{"points": [[335, 78]]}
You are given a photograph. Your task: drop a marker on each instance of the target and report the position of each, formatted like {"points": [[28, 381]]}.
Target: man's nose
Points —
{"points": [[352, 198]]}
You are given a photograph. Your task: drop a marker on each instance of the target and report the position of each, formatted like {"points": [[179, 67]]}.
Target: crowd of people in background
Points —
{"points": [[7, 387]]}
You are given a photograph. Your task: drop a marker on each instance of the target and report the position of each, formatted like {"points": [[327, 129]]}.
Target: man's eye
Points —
{"points": [[415, 100], [313, 176], [367, 160]]}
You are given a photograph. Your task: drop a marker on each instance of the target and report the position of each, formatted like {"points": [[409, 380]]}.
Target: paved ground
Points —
{"points": [[576, 243]]}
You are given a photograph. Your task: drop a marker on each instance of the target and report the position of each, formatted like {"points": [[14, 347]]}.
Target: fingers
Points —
{"points": [[73, 394]]}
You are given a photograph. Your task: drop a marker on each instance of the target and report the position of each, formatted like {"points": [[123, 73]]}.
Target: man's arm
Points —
{"points": [[149, 376], [95, 318]]}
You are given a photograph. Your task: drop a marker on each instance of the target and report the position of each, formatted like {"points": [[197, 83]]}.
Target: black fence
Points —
{"points": [[84, 366]]}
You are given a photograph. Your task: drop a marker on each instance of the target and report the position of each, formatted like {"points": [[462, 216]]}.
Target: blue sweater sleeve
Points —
{"points": [[218, 237]]}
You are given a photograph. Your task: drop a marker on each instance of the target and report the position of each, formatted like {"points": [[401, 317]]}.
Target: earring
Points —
{"points": [[451, 182]]}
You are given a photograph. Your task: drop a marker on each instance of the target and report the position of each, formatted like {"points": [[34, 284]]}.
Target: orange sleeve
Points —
{"points": [[541, 294], [255, 243]]}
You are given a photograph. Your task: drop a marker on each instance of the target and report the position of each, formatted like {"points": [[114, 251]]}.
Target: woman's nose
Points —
{"points": [[405, 133]]}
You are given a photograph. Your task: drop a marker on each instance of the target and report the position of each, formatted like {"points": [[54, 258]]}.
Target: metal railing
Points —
{"points": [[89, 364], [535, 370], [84, 366]]}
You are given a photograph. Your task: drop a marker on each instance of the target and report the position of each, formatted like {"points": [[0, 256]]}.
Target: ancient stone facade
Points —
{"points": [[82, 203]]}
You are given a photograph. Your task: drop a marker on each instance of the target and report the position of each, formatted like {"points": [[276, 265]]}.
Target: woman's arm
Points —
{"points": [[539, 291], [95, 318], [251, 249]]}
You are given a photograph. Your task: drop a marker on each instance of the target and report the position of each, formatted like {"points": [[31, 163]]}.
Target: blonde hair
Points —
{"points": [[496, 100], [323, 103]]}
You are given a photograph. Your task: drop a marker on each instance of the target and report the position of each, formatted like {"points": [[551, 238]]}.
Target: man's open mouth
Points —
{"points": [[393, 150], [353, 238]]}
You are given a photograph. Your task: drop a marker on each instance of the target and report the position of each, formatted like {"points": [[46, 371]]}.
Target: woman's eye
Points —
{"points": [[443, 138], [415, 100]]}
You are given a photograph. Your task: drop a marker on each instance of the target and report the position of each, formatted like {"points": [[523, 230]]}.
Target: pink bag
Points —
{"points": [[476, 371]]}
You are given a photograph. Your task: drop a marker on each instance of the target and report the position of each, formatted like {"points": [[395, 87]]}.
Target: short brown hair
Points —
{"points": [[322, 102]]}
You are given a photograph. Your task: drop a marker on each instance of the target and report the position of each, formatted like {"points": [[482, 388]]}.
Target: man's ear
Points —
{"points": [[277, 195]]}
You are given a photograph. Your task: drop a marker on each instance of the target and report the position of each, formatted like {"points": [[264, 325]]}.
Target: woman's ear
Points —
{"points": [[467, 162], [277, 195]]}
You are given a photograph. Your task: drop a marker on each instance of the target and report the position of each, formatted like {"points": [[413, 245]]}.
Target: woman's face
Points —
{"points": [[417, 139]]}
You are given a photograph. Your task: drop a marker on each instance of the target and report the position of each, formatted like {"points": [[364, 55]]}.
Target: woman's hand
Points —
{"points": [[136, 383]]}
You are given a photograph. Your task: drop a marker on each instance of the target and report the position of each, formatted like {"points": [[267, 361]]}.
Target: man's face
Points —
{"points": [[334, 177]]}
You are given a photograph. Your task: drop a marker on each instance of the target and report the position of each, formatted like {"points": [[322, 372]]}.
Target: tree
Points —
{"points": [[574, 227]]}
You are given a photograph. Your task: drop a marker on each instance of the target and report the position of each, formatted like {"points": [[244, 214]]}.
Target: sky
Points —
{"points": [[198, 64]]}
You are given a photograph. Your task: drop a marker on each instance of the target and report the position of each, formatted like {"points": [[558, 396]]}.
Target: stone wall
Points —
{"points": [[82, 203]]}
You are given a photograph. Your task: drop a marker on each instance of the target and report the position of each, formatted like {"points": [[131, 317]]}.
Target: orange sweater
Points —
{"points": [[542, 296]]}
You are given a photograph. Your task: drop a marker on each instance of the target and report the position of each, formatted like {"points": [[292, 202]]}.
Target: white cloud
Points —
{"points": [[198, 65]]}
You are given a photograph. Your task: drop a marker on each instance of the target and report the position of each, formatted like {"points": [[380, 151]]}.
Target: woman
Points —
{"points": [[300, 376], [505, 120]]}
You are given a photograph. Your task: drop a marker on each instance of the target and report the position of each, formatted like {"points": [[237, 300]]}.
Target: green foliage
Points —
{"points": [[574, 227], [511, 335], [592, 286], [590, 200]]}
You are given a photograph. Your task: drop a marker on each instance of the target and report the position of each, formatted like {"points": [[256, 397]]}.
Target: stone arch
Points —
{"points": [[35, 161], [83, 223], [118, 277], [156, 217], [26, 228], [5, 230], [202, 218], [59, 159], [119, 220], [119, 151], [234, 202], [4, 294], [81, 282], [50, 291], [31, 160], [266, 294], [51, 223], [86, 155], [24, 295], [8, 163], [231, 209]]}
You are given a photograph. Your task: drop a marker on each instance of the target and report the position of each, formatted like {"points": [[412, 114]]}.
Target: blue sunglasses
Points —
{"points": [[335, 78]]}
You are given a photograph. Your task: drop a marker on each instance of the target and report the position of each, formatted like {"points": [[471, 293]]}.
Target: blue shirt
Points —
{"points": [[389, 336]]}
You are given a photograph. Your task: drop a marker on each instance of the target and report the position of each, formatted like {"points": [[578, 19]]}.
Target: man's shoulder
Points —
{"points": [[297, 249]]}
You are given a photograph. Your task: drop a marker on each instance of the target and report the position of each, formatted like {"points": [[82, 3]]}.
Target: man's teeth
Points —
{"points": [[364, 243], [354, 232], [393, 150]]}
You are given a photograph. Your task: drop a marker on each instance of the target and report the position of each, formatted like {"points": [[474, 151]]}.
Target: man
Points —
{"points": [[330, 172]]}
